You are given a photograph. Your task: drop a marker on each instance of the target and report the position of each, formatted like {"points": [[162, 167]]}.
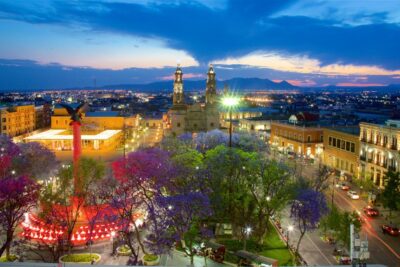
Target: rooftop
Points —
{"points": [[353, 130], [103, 114], [57, 135]]}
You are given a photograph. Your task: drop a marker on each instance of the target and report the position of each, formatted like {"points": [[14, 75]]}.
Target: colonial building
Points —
{"points": [[101, 131], [379, 150], [341, 149], [301, 140], [198, 117], [17, 120]]}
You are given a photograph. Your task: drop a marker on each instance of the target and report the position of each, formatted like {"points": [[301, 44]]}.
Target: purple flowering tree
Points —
{"points": [[181, 218], [18, 195], [307, 210], [26, 159], [8, 153], [35, 160], [141, 177]]}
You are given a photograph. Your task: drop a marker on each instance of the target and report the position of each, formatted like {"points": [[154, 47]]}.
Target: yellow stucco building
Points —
{"points": [[341, 149], [17, 120]]}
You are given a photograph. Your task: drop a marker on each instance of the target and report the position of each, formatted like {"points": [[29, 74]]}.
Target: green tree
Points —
{"points": [[391, 193], [347, 218], [271, 188], [228, 170]]}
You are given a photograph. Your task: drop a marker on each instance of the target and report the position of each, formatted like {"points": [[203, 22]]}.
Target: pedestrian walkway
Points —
{"points": [[178, 258]]}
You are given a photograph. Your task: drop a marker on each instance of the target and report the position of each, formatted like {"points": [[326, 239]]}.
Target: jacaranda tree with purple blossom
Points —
{"points": [[26, 159], [307, 210], [8, 154], [183, 219], [141, 177], [18, 195]]}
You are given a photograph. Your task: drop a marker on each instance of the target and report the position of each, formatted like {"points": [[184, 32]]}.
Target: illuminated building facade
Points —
{"points": [[341, 149], [379, 151], [301, 140], [101, 131], [198, 117], [17, 120]]}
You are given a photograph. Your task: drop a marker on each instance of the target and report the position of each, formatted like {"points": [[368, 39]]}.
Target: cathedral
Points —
{"points": [[199, 117]]}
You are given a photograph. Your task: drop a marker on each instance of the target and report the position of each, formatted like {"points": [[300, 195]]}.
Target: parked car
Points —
{"points": [[371, 211], [344, 260], [353, 195], [390, 229]]}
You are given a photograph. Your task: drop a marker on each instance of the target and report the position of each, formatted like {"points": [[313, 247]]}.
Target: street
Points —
{"points": [[384, 249]]}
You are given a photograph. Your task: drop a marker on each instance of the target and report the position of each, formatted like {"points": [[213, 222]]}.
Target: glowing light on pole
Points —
{"points": [[230, 102], [290, 229]]}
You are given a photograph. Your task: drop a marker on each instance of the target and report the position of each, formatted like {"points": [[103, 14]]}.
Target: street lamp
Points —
{"points": [[290, 229], [247, 232], [112, 241], [230, 102]]}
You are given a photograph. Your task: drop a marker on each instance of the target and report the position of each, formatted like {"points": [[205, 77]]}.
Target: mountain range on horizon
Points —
{"points": [[234, 84]]}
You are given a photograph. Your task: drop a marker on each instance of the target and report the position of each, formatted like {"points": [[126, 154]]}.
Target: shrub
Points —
{"points": [[11, 258], [150, 257], [84, 257]]}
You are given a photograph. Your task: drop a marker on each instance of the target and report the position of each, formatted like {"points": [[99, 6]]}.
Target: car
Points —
{"points": [[390, 229], [353, 195], [344, 186], [344, 260], [371, 211]]}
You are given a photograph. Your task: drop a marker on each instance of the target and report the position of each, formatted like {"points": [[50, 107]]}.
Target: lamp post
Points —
{"points": [[230, 102], [112, 241], [290, 229], [247, 232]]}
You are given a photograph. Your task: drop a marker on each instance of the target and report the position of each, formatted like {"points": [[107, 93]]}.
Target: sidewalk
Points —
{"points": [[312, 249]]}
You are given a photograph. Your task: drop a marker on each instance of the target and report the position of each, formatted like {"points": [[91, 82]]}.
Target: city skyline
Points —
{"points": [[306, 43]]}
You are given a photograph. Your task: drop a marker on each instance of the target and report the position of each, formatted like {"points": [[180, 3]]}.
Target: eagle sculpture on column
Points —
{"points": [[76, 114]]}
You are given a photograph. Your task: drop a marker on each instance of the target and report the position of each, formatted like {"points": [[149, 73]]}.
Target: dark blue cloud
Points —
{"points": [[240, 28]]}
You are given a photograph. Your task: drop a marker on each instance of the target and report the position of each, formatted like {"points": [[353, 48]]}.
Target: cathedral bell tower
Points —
{"points": [[211, 92], [178, 98]]}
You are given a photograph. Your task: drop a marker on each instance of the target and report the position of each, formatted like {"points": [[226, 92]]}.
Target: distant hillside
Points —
{"points": [[237, 84]]}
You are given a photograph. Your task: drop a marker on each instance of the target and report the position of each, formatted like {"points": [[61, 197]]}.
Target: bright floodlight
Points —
{"points": [[290, 228], [247, 230], [230, 101]]}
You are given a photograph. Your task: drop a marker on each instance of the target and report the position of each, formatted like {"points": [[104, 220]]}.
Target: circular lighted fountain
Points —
{"points": [[38, 230]]}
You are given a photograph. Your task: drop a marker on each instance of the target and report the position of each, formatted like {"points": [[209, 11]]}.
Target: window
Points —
{"points": [[178, 124], [343, 144], [352, 147], [338, 143], [4, 128], [330, 140], [212, 124], [334, 141], [308, 138], [321, 138], [348, 146], [4, 119]]}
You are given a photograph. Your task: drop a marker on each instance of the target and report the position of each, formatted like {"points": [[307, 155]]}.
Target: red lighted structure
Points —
{"points": [[38, 230]]}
